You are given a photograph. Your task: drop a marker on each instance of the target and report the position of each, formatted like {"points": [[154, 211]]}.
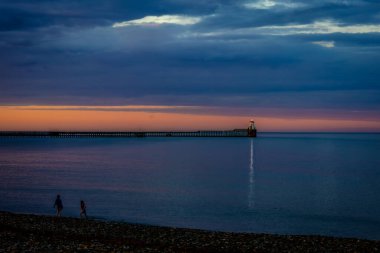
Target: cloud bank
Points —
{"points": [[164, 19], [262, 55]]}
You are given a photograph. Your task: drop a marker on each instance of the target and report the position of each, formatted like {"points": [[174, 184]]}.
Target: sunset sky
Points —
{"points": [[184, 64]]}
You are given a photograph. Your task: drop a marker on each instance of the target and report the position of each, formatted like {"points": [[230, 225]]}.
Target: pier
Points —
{"points": [[248, 132], [68, 134]]}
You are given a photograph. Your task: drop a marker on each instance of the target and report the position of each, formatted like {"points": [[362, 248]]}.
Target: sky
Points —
{"points": [[184, 64]]}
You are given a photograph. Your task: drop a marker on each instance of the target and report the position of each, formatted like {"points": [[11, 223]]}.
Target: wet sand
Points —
{"points": [[37, 233]]}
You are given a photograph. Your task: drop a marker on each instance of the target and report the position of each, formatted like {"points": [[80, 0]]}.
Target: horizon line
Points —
{"points": [[179, 131]]}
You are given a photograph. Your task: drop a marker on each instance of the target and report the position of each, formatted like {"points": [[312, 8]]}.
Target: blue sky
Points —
{"points": [[262, 57]]}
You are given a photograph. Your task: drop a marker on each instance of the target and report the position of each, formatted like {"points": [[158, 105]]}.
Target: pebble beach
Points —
{"points": [[39, 233]]}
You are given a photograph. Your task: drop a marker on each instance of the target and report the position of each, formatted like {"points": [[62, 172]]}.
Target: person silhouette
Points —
{"points": [[58, 205], [83, 212]]}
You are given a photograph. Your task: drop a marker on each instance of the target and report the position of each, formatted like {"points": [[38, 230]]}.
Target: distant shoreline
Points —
{"points": [[42, 233]]}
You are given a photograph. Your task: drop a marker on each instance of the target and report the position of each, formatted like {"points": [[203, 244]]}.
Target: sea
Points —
{"points": [[277, 183]]}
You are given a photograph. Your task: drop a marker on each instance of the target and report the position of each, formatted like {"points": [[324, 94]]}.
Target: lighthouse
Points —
{"points": [[252, 129]]}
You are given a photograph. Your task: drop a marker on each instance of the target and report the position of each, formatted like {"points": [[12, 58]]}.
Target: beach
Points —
{"points": [[41, 233]]}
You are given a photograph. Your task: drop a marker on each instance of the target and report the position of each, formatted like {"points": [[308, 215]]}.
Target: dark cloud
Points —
{"points": [[25, 15], [67, 52]]}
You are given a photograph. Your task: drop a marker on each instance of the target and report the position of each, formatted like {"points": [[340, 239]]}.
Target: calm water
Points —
{"points": [[278, 183]]}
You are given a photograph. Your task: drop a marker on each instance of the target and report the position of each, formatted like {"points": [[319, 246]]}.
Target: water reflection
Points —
{"points": [[252, 184]]}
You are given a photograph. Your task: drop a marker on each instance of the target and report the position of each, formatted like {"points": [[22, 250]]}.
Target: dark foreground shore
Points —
{"points": [[33, 233]]}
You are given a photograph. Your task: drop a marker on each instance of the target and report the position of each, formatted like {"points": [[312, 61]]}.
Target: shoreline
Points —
{"points": [[42, 233]]}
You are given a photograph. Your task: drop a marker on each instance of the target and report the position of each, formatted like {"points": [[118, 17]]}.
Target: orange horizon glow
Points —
{"points": [[161, 118]]}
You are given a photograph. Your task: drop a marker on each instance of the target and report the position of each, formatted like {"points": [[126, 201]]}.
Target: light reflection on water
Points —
{"points": [[251, 197], [277, 183]]}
